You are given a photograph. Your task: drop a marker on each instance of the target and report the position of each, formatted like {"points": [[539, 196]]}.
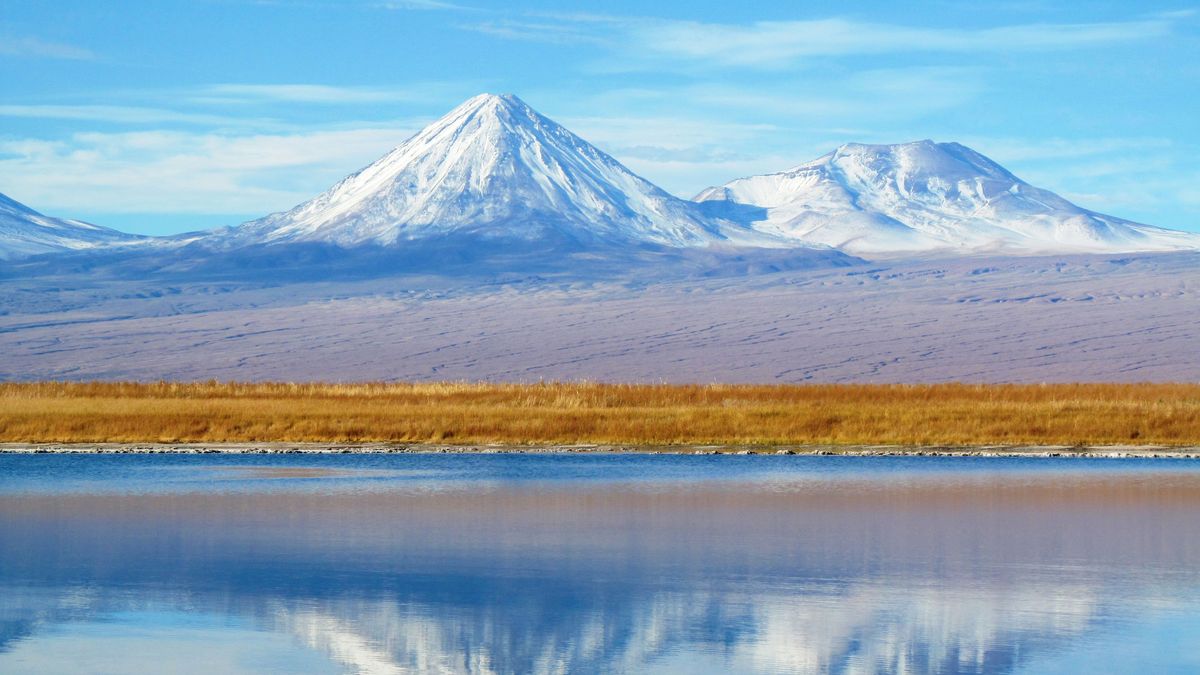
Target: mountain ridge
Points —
{"points": [[26, 232]]}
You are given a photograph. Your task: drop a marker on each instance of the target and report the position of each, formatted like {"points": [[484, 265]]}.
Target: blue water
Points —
{"points": [[597, 563], [115, 473]]}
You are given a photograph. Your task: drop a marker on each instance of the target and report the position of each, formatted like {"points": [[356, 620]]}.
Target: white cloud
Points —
{"points": [[670, 132], [1189, 193], [772, 44], [37, 48], [681, 154], [550, 30], [313, 93], [687, 137], [123, 115], [418, 5], [1052, 150], [183, 172], [162, 105], [880, 95]]}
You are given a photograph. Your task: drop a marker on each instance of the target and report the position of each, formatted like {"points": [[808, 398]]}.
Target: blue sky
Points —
{"points": [[163, 116]]}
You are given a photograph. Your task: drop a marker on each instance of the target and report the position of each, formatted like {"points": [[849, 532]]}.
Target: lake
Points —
{"points": [[606, 563]]}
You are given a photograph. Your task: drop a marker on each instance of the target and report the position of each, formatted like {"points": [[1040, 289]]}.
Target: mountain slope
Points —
{"points": [[493, 169], [925, 197], [25, 232]]}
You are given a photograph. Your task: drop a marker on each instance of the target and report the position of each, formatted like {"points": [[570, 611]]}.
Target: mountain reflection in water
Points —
{"points": [[1021, 570]]}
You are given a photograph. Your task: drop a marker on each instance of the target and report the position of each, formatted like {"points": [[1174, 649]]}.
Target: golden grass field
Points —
{"points": [[550, 413]]}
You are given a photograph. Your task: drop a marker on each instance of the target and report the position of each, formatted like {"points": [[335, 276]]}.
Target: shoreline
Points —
{"points": [[274, 448]]}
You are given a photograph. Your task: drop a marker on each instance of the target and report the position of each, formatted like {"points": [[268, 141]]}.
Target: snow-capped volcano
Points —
{"points": [[493, 168], [25, 232], [930, 197]]}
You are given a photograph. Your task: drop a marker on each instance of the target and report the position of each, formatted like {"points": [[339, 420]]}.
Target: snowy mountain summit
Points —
{"points": [[493, 169], [25, 232], [926, 197]]}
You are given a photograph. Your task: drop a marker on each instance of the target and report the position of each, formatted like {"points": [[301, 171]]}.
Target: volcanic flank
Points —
{"points": [[496, 169], [926, 197]]}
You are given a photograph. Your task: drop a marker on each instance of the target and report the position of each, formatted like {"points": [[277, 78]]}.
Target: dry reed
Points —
{"points": [[467, 413]]}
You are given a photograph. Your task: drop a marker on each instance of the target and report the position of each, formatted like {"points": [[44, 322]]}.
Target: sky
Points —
{"points": [[162, 117]]}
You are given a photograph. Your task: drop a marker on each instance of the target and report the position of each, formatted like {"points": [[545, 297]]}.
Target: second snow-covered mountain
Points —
{"points": [[929, 198]]}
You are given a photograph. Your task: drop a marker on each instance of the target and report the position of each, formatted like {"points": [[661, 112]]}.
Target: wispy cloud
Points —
{"points": [[769, 44], [688, 136], [1189, 194], [186, 172], [258, 103], [32, 47], [1178, 13], [552, 29], [309, 93], [1057, 149], [414, 5], [872, 95], [124, 115], [418, 5]]}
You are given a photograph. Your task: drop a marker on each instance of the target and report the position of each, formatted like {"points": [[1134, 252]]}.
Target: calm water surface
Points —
{"points": [[597, 564]]}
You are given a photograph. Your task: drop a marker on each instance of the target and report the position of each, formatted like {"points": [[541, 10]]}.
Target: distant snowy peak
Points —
{"points": [[25, 232], [493, 168], [927, 197]]}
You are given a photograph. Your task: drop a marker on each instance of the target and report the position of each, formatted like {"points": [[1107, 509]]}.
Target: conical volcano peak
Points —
{"points": [[494, 169], [499, 106], [498, 117], [494, 101]]}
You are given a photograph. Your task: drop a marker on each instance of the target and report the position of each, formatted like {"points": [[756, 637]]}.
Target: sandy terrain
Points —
{"points": [[1113, 318]]}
